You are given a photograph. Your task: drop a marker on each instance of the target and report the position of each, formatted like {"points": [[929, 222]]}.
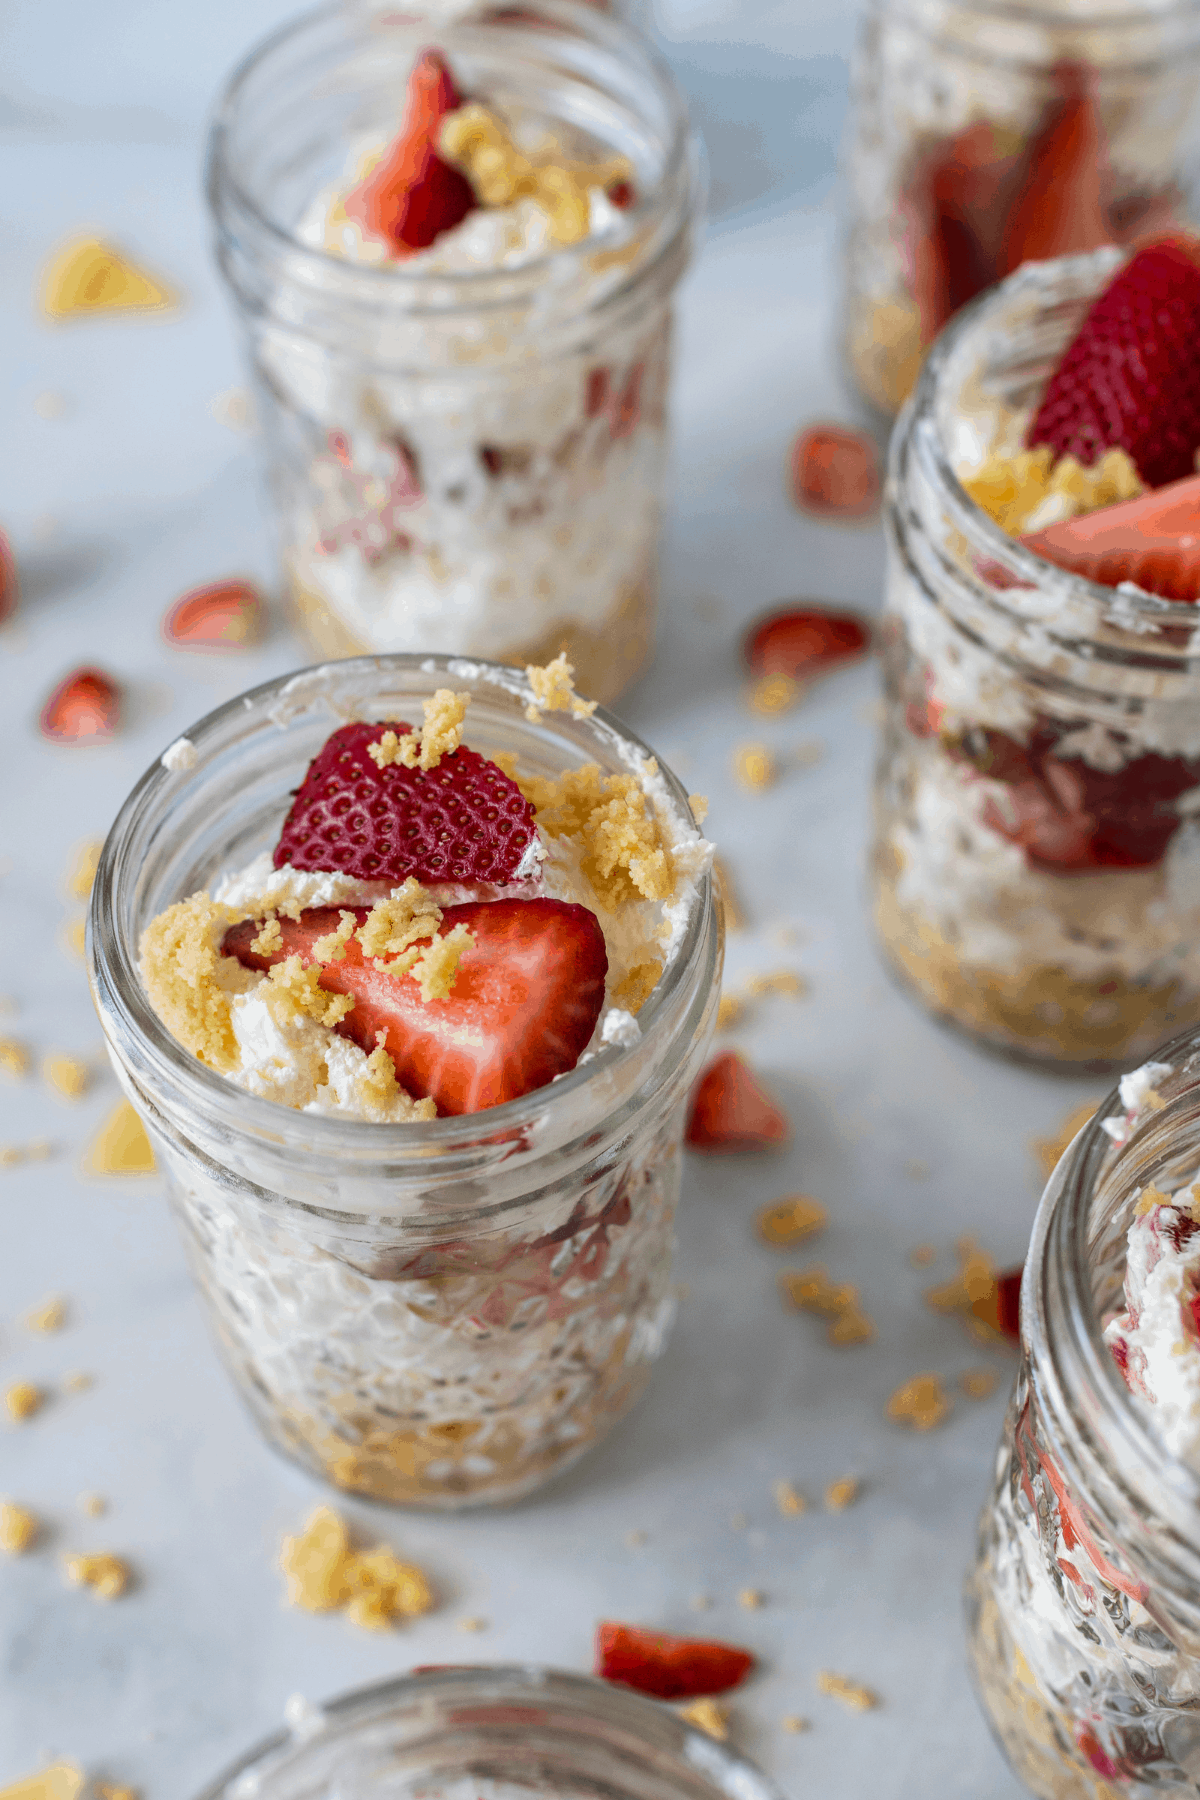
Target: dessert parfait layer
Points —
{"points": [[1084, 1601], [985, 136], [408, 965], [453, 244], [1037, 849]]}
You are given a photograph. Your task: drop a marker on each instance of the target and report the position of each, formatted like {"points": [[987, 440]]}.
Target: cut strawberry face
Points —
{"points": [[1153, 541], [1130, 379], [225, 615], [524, 1004], [412, 195], [84, 708], [1060, 207], [731, 1112], [835, 471], [803, 641], [670, 1668], [464, 821]]}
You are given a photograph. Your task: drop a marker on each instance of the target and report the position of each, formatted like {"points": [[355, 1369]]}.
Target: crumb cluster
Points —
{"points": [[624, 853], [440, 736], [811, 1290], [478, 142], [1028, 490], [324, 1573]]}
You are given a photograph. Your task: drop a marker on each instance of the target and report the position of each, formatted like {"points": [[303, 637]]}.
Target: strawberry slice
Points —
{"points": [[1153, 541], [670, 1668], [1060, 210], [1130, 379], [463, 821], [411, 195], [730, 1111], [525, 1000]]}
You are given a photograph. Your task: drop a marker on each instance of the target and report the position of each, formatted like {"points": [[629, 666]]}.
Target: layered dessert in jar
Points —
{"points": [[984, 137], [1037, 855], [454, 256], [1085, 1601], [445, 1025]]}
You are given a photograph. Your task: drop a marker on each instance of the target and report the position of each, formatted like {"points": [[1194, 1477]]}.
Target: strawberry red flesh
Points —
{"points": [[524, 1003], [411, 196], [1060, 207], [1130, 379], [1153, 541], [802, 641], [730, 1110], [670, 1668], [464, 821]]}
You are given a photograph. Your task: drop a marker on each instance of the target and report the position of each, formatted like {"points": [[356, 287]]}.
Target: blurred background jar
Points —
{"points": [[1036, 865], [467, 446], [984, 136]]}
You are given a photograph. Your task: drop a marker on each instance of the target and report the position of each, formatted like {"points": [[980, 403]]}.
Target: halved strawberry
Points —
{"points": [[1130, 379], [525, 1000], [669, 1667], [1153, 541], [411, 196], [463, 821], [1059, 209], [730, 1111]]}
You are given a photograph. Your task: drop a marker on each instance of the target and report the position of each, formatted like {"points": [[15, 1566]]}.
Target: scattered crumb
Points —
{"points": [[922, 1256], [554, 690], [108, 1576], [773, 694], [14, 1058], [292, 992], [479, 143], [270, 938], [850, 1693], [841, 1494], [18, 1529], [182, 966], [440, 736], [635, 1539], [729, 1010], [624, 853], [1048, 1150], [699, 806], [121, 1146], [700, 1602], [751, 1598], [794, 1723], [82, 873], [977, 1384], [325, 1574], [972, 1292], [473, 1624], [753, 766], [636, 988], [789, 1500], [77, 1382], [75, 937], [916, 1169], [61, 1781], [92, 1505], [37, 1150], [737, 1521], [22, 1400], [920, 1402], [778, 981], [735, 918], [786, 1222], [69, 1076], [709, 1715], [1013, 489], [87, 276], [50, 1316], [810, 1290]]}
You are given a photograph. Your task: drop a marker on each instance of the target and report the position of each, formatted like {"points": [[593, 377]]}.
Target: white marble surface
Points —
{"points": [[135, 493]]}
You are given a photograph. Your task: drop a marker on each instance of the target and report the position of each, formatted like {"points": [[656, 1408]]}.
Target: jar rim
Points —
{"points": [[700, 1758], [121, 998], [1061, 17]]}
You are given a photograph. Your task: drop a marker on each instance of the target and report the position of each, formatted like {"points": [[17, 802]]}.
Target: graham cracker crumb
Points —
{"points": [[841, 1494], [69, 1076], [636, 988], [977, 1384], [270, 937], [94, 1506], [789, 1500], [393, 926], [920, 1402], [473, 1624], [975, 1280], [121, 1146], [778, 981], [476, 140], [15, 1059], [436, 969], [794, 1723], [36, 1151], [625, 856], [181, 967], [811, 1290], [332, 947], [18, 1529], [75, 937], [293, 992], [751, 1598], [773, 694], [554, 690], [1013, 489], [753, 766], [61, 1781], [922, 1256], [22, 1400], [729, 1010], [786, 1222], [82, 874], [850, 1693], [51, 1315], [1049, 1150], [440, 736], [1149, 1198], [699, 806], [108, 1576], [709, 1716], [325, 1574]]}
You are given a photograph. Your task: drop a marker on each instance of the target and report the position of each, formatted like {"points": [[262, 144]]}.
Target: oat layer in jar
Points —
{"points": [[453, 246], [1037, 843], [1084, 1601], [426, 1291], [986, 136]]}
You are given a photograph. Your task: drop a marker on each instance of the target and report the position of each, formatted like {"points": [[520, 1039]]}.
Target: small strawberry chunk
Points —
{"points": [[1130, 379], [835, 471], [802, 641], [411, 196], [464, 821], [10, 586], [670, 1668], [1153, 541], [524, 1003], [84, 708], [225, 615], [730, 1111], [1059, 209]]}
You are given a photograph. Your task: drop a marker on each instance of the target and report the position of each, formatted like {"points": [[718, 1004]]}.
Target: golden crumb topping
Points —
{"points": [[332, 947], [324, 1573], [182, 966], [61, 1781], [625, 856], [789, 1499], [399, 934], [82, 875], [18, 1529], [786, 1222], [479, 143], [841, 1494], [380, 1094], [292, 992], [442, 733], [850, 1693], [1012, 490], [121, 1146], [22, 1400], [920, 1402], [50, 1316], [554, 690], [753, 766], [14, 1057], [636, 988], [270, 936], [108, 1576], [436, 969]]}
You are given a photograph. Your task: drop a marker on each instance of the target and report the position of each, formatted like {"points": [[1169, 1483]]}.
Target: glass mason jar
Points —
{"points": [[491, 1733], [1084, 1601], [983, 136], [470, 458], [442, 1313], [1037, 839]]}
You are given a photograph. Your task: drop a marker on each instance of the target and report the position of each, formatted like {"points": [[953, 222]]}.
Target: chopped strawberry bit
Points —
{"points": [[835, 471], [524, 1003], [670, 1668], [412, 195], [597, 392], [226, 615], [803, 641], [1060, 210], [622, 195], [10, 587], [731, 1112], [84, 708], [1153, 541], [1103, 1764], [462, 821], [1130, 379]]}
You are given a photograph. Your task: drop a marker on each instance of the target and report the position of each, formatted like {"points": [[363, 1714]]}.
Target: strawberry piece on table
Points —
{"points": [[670, 1668], [525, 1000], [411, 196], [10, 586], [462, 821], [835, 471], [1153, 541], [85, 707], [731, 1112], [802, 641], [225, 615], [1130, 379], [1060, 207]]}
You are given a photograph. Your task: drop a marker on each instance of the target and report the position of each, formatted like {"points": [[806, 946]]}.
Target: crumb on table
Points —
{"points": [[709, 1716], [108, 1576], [23, 1400], [324, 1573], [18, 1528]]}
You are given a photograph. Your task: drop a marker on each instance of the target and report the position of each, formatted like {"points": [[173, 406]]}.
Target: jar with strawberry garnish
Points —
{"points": [[409, 965], [453, 239], [986, 136], [1083, 1603], [1037, 849]]}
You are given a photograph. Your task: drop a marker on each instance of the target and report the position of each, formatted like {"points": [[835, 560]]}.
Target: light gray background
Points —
{"points": [[137, 492]]}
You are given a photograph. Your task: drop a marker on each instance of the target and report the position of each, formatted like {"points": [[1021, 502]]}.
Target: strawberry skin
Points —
{"points": [[1130, 379], [464, 821], [525, 1000], [1153, 540], [670, 1668], [411, 196]]}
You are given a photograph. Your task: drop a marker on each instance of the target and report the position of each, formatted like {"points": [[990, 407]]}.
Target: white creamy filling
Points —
{"points": [[1158, 1332]]}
